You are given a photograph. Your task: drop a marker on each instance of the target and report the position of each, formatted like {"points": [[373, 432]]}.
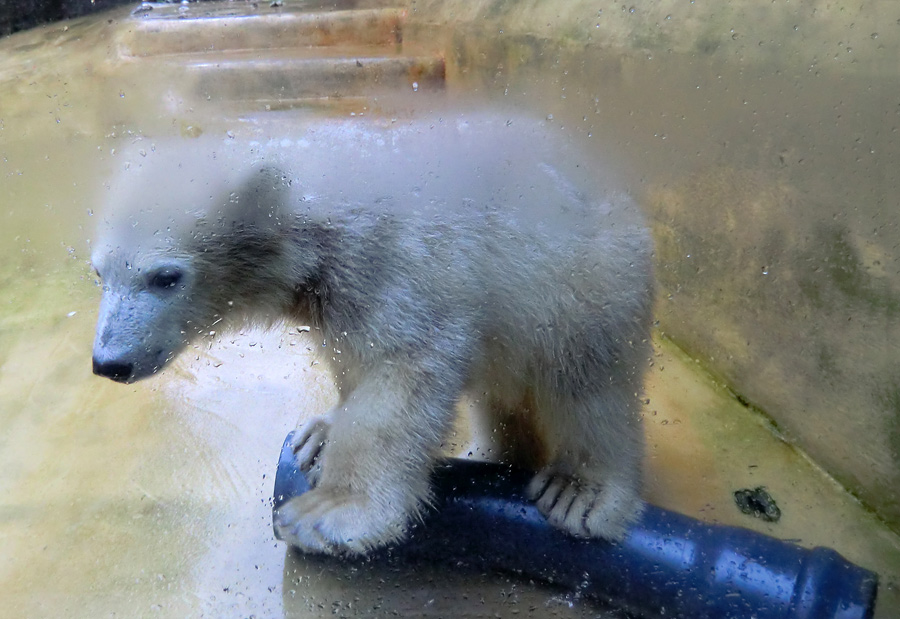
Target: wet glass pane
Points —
{"points": [[157, 158]]}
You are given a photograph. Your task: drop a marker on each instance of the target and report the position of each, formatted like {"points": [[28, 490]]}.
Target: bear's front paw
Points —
{"points": [[585, 509], [338, 522], [307, 444]]}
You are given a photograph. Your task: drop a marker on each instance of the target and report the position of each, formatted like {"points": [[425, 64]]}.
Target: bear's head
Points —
{"points": [[174, 253]]}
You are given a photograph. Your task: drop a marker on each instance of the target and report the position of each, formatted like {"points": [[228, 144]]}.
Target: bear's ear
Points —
{"points": [[262, 197]]}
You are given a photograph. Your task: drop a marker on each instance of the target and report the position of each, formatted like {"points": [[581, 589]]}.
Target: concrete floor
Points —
{"points": [[153, 499]]}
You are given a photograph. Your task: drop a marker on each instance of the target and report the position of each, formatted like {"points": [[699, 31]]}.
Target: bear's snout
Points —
{"points": [[114, 370]]}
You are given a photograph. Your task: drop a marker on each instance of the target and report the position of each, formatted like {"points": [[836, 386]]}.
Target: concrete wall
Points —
{"points": [[763, 140]]}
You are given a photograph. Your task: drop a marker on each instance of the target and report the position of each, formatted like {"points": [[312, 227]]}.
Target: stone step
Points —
{"points": [[221, 26], [294, 75]]}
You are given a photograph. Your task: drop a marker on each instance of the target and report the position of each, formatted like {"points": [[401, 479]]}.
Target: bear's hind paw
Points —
{"points": [[583, 509]]}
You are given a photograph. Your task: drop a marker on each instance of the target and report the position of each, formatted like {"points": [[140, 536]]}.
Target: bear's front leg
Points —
{"points": [[369, 464]]}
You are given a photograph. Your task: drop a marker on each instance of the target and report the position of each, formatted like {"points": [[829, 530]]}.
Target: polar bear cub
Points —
{"points": [[438, 256]]}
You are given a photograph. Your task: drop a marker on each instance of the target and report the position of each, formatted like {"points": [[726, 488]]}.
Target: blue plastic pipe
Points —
{"points": [[669, 565]]}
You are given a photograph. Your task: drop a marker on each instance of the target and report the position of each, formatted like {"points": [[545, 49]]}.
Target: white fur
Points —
{"points": [[437, 256]]}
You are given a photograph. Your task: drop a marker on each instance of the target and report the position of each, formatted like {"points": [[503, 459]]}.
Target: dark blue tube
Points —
{"points": [[669, 565]]}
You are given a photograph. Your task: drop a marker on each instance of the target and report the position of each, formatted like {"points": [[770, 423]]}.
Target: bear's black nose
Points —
{"points": [[119, 372]]}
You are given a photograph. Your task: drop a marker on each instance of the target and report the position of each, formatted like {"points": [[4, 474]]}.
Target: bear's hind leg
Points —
{"points": [[591, 486]]}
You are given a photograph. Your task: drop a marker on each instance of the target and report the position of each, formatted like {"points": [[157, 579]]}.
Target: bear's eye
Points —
{"points": [[165, 278]]}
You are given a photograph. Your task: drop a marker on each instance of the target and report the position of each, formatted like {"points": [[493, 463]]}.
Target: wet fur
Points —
{"points": [[548, 325]]}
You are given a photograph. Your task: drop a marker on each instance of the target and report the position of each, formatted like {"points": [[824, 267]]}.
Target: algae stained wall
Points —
{"points": [[763, 140]]}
